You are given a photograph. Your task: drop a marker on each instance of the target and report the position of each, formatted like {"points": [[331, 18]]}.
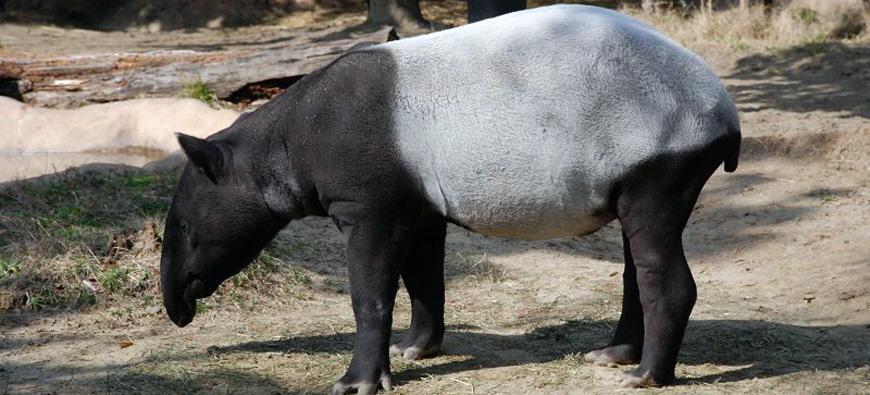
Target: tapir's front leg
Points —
{"points": [[375, 249], [423, 275]]}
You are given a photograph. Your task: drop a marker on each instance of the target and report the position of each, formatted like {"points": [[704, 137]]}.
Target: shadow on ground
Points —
{"points": [[756, 349], [119, 379], [832, 77], [761, 349]]}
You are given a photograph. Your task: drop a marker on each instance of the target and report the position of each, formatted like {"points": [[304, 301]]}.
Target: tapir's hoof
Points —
{"points": [[362, 387], [636, 379], [414, 352], [623, 354]]}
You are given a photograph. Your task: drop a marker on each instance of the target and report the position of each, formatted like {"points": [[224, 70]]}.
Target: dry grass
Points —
{"points": [[743, 30], [76, 239], [800, 22], [474, 267], [92, 239]]}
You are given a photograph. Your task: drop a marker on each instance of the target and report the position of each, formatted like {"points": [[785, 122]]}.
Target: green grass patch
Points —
{"points": [[35, 301], [201, 307], [8, 268], [74, 207], [113, 280], [806, 15], [297, 276], [77, 239], [199, 90]]}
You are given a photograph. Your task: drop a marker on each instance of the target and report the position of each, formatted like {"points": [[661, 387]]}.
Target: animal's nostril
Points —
{"points": [[190, 278], [197, 288]]}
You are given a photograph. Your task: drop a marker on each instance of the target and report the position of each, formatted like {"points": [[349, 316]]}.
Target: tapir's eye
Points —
{"points": [[185, 229]]}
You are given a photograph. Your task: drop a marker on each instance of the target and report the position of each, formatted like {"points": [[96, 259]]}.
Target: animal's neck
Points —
{"points": [[290, 127], [282, 166]]}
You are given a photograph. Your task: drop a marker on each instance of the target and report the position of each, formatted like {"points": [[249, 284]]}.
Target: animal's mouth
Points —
{"points": [[183, 312], [196, 288]]}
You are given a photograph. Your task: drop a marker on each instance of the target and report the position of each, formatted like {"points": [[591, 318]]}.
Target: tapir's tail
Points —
{"points": [[729, 142], [732, 147]]}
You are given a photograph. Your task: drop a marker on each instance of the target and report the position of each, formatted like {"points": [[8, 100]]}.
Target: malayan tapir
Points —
{"points": [[539, 124]]}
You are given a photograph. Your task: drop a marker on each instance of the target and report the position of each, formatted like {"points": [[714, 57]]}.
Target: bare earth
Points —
{"points": [[780, 251]]}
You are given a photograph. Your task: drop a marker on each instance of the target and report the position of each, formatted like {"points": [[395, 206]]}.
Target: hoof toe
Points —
{"points": [[594, 357], [414, 352], [613, 356], [366, 388], [396, 349], [634, 379]]}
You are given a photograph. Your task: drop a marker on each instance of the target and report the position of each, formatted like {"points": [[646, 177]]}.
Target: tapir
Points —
{"points": [[544, 123]]}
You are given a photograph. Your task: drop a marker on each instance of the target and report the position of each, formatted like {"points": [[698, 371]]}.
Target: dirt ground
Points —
{"points": [[780, 251]]}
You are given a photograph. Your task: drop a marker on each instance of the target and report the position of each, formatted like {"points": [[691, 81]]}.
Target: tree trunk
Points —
{"points": [[483, 9], [396, 13]]}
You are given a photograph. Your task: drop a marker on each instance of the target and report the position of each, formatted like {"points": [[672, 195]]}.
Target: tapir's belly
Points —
{"points": [[512, 180], [523, 217]]}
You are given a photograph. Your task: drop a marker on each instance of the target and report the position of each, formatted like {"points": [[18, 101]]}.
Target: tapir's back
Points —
{"points": [[520, 125]]}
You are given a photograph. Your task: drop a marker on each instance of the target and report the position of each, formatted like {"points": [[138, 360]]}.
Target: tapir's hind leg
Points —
{"points": [[423, 275], [667, 295], [625, 348], [653, 207]]}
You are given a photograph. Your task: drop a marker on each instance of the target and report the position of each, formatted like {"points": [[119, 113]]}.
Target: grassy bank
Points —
{"points": [[82, 239]]}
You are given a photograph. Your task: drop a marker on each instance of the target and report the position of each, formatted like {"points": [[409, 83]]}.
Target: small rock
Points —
{"points": [[844, 296]]}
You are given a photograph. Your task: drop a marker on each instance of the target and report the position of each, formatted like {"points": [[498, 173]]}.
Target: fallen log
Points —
{"points": [[74, 80]]}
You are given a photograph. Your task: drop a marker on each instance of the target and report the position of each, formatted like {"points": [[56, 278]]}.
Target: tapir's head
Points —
{"points": [[217, 224]]}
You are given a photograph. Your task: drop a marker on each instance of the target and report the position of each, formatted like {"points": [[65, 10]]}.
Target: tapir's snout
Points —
{"points": [[174, 285], [179, 306], [182, 312], [180, 292]]}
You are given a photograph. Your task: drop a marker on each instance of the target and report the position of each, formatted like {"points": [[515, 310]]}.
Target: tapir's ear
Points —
{"points": [[392, 35], [205, 155]]}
